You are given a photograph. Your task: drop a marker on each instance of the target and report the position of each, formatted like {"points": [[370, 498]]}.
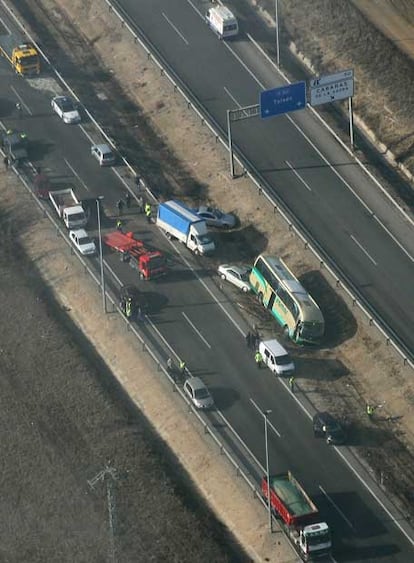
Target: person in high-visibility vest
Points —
{"points": [[258, 359], [128, 308], [370, 410], [182, 367], [292, 383], [148, 212], [119, 225]]}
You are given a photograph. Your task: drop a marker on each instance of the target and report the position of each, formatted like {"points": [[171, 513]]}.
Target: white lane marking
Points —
{"points": [[26, 107], [196, 330], [87, 135], [76, 174], [230, 95], [175, 28], [337, 508], [216, 300], [5, 26], [363, 250], [259, 465], [298, 176], [268, 421]]}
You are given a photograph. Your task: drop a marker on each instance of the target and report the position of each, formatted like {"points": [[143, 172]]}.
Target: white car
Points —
{"points": [[237, 275], [82, 241], [103, 154], [198, 393], [66, 109], [216, 218]]}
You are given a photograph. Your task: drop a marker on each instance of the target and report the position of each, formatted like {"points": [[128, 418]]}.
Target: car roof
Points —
{"points": [[80, 232], [195, 383], [275, 347], [325, 417], [63, 98], [104, 148], [239, 269]]}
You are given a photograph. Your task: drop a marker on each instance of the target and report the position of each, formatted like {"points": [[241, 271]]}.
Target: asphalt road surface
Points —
{"points": [[198, 321], [336, 203]]}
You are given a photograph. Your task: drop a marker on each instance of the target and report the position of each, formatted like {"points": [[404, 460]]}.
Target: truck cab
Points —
{"points": [[199, 240], [315, 541]]}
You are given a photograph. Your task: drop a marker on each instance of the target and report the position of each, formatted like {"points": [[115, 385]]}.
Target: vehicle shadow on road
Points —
{"points": [[224, 397], [340, 323]]}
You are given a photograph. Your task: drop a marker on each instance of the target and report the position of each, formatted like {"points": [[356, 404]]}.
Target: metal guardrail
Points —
{"points": [[309, 244]]}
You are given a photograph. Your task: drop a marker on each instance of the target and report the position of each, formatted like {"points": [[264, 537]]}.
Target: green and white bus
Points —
{"points": [[279, 291]]}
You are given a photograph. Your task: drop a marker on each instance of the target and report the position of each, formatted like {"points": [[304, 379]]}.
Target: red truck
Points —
{"points": [[298, 515], [149, 263]]}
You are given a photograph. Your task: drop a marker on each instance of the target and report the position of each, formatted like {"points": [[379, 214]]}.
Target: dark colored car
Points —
{"points": [[326, 426], [138, 301]]}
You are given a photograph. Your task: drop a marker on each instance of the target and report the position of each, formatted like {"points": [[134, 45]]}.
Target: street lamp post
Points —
{"points": [[277, 32], [98, 207], [269, 507]]}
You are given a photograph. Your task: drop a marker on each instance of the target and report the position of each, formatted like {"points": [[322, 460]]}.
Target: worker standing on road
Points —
{"points": [[19, 109], [128, 200], [119, 225], [148, 212], [128, 308], [370, 410], [249, 339], [140, 203], [120, 206], [258, 359], [6, 162], [292, 383], [182, 367]]}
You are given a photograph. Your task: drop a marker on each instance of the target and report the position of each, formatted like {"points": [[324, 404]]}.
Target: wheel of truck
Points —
{"points": [[223, 277], [141, 276], [260, 298], [169, 236], [286, 332], [196, 252], [245, 289]]}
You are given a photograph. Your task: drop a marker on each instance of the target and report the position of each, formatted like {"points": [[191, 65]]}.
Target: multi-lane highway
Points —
{"points": [[335, 202], [197, 321]]}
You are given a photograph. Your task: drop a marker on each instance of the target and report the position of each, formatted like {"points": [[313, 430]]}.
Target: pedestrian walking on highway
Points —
{"points": [[120, 206], [249, 339], [128, 200], [119, 225], [6, 162], [292, 383], [140, 203], [19, 110], [258, 359], [182, 367]]}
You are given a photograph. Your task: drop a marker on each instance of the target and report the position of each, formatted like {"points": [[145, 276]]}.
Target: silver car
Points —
{"points": [[216, 218], [198, 393], [237, 275], [66, 109], [103, 154]]}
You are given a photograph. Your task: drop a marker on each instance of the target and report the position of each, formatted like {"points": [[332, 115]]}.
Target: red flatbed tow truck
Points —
{"points": [[149, 263]]}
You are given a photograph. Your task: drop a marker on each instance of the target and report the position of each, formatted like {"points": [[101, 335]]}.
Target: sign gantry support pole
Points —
{"points": [[351, 122], [230, 144]]}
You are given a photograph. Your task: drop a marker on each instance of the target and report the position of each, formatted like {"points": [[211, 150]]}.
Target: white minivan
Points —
{"points": [[222, 21], [276, 358]]}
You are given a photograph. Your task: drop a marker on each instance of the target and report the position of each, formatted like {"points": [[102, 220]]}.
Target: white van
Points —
{"points": [[276, 358], [222, 21]]}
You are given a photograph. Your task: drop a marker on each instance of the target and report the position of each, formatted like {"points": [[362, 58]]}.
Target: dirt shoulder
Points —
{"points": [[355, 367]]}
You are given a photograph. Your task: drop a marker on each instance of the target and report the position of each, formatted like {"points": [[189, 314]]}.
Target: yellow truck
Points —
{"points": [[24, 58]]}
